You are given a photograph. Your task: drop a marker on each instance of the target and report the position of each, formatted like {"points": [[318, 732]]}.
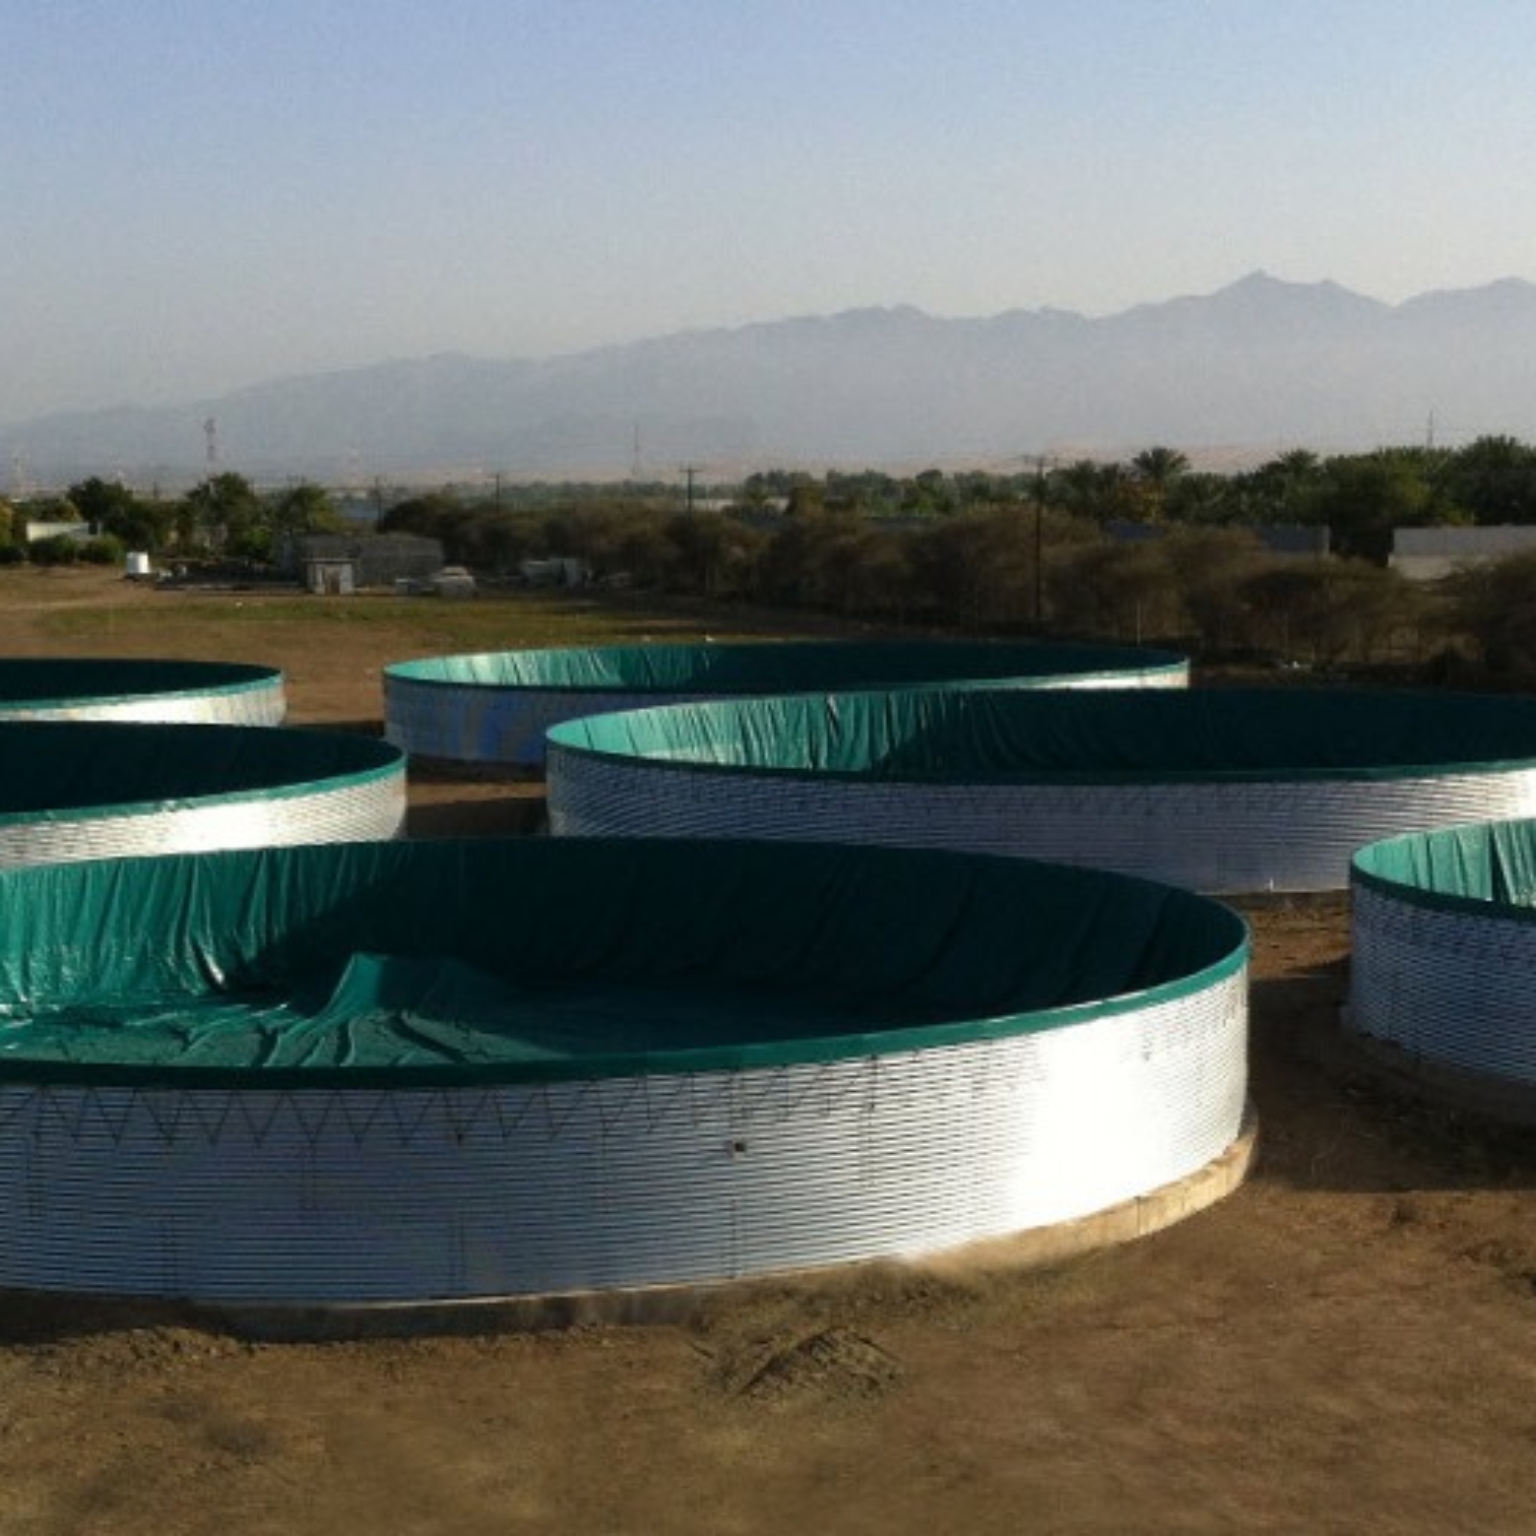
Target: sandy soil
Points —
{"points": [[1348, 1344]]}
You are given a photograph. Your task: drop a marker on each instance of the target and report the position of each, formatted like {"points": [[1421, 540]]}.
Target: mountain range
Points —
{"points": [[1253, 368]]}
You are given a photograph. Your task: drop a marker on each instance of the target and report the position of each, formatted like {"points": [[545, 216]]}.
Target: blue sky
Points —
{"points": [[199, 194]]}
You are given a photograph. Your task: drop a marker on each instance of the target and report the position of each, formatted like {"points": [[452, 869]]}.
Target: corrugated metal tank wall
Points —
{"points": [[1214, 789], [1215, 837], [1443, 969], [196, 693], [71, 791], [179, 1170], [375, 1195]]}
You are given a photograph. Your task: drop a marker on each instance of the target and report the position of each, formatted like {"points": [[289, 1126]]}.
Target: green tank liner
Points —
{"points": [[72, 790], [1218, 789], [126, 689], [1444, 968], [494, 708], [417, 1071]]}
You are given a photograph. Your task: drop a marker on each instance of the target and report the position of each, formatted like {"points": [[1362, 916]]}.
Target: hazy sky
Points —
{"points": [[199, 194]]}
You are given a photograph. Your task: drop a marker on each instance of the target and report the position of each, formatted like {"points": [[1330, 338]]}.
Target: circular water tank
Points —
{"points": [[1219, 790], [1444, 960], [87, 790], [90, 688], [426, 1072], [495, 708]]}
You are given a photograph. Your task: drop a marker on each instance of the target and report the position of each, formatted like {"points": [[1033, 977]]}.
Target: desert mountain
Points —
{"points": [[1261, 364]]}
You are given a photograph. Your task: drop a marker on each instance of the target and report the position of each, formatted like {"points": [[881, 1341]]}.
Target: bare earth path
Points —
{"points": [[1346, 1345]]}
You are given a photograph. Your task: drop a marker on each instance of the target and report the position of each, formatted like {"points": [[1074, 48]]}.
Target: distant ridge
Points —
{"points": [[1259, 364]]}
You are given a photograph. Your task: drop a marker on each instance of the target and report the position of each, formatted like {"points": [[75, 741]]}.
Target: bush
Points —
{"points": [[58, 550], [104, 550]]}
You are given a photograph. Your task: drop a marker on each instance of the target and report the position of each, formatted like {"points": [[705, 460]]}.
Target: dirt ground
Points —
{"points": [[1348, 1344]]}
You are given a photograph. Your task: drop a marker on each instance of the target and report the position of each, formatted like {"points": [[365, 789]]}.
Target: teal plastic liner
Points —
{"points": [[781, 667], [1002, 735], [1493, 862], [70, 682], [82, 769], [460, 962]]}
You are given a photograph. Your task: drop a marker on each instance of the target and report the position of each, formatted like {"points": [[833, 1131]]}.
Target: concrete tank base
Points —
{"points": [[680, 1304]]}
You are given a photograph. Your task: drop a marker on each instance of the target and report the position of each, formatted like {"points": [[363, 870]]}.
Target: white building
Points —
{"points": [[1429, 554]]}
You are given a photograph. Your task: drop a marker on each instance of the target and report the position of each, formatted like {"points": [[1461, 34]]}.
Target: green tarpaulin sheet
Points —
{"points": [[778, 667], [62, 680], [77, 767], [1005, 735], [448, 961], [1486, 862]]}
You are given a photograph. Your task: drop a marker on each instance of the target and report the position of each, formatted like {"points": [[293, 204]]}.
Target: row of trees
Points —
{"points": [[1033, 551], [1000, 570], [222, 517], [1360, 498], [1043, 549]]}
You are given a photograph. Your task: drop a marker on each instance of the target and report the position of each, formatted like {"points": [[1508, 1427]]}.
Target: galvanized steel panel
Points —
{"points": [[258, 706], [1450, 986], [348, 1195], [345, 812], [1288, 834], [353, 814], [259, 702]]}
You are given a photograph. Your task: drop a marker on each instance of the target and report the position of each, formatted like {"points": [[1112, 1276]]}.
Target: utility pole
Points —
{"points": [[1039, 488], [690, 472]]}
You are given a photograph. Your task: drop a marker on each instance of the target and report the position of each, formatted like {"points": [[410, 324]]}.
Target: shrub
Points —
{"points": [[103, 550], [58, 550]]}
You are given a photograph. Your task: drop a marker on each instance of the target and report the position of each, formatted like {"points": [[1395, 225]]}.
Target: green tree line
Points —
{"points": [[1145, 549], [223, 518]]}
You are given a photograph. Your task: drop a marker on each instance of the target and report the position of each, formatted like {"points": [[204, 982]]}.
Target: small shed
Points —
{"points": [[376, 560], [330, 576]]}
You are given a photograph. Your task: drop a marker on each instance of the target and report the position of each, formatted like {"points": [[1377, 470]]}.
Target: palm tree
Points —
{"points": [[1159, 467]]}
